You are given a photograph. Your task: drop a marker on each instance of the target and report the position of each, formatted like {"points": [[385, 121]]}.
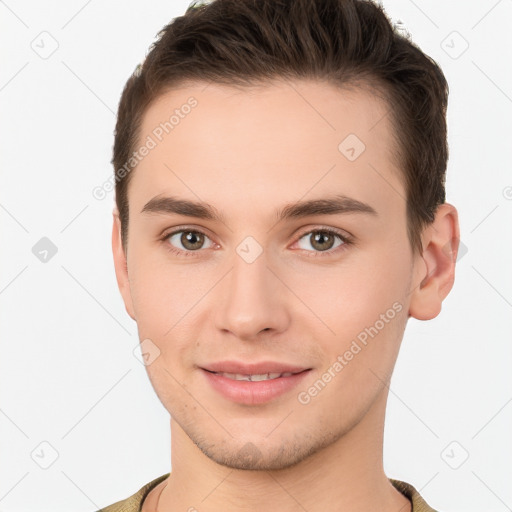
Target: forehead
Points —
{"points": [[260, 110], [279, 138]]}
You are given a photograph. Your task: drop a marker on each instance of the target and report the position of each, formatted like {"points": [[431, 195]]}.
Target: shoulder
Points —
{"points": [[134, 502], [418, 503]]}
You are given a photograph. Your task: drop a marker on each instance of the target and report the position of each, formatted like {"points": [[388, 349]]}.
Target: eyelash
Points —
{"points": [[347, 241]]}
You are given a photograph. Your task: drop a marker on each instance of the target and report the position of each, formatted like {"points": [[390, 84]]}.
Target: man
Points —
{"points": [[280, 214]]}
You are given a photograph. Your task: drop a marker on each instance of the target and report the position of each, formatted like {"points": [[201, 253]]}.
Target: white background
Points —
{"points": [[68, 373]]}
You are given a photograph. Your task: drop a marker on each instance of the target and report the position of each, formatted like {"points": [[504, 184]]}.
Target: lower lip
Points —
{"points": [[253, 393]]}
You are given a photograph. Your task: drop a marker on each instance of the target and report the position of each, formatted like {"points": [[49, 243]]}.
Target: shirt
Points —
{"points": [[134, 502]]}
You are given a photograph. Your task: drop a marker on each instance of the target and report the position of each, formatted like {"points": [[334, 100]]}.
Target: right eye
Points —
{"points": [[186, 241]]}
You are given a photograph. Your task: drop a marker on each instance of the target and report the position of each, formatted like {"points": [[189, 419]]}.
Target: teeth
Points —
{"points": [[254, 378]]}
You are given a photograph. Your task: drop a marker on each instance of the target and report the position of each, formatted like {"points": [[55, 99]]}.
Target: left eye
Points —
{"points": [[190, 240], [321, 240]]}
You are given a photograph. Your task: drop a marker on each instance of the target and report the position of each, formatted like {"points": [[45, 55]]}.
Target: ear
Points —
{"points": [[120, 264], [434, 270]]}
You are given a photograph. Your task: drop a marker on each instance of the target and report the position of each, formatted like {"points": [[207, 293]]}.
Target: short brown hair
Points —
{"points": [[342, 42]]}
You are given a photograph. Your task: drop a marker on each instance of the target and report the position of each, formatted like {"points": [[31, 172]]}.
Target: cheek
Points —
{"points": [[348, 296], [358, 363], [167, 304], [363, 310], [162, 292]]}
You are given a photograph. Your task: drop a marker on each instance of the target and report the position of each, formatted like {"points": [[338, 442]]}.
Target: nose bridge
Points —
{"points": [[251, 299]]}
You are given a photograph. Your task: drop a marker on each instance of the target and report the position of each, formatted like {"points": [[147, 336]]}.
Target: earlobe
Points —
{"points": [[120, 264], [434, 270]]}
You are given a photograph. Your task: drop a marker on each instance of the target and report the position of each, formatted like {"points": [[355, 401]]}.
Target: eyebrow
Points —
{"points": [[335, 205]]}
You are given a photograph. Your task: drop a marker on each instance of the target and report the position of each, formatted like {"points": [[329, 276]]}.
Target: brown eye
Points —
{"points": [[192, 240], [321, 240], [186, 240]]}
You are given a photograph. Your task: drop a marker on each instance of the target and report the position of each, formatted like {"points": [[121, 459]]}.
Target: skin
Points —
{"points": [[248, 152]]}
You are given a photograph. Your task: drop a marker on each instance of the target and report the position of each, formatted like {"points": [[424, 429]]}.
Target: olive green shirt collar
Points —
{"points": [[134, 502]]}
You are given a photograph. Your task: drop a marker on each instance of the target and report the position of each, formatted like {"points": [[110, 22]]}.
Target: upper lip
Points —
{"points": [[253, 368]]}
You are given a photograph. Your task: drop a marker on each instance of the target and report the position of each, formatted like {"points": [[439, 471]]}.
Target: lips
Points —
{"points": [[253, 383]]}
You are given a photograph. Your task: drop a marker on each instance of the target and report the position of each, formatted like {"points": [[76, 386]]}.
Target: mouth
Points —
{"points": [[272, 368], [254, 377], [253, 384]]}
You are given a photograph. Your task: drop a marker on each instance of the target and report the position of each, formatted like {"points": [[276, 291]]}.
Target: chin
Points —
{"points": [[263, 455]]}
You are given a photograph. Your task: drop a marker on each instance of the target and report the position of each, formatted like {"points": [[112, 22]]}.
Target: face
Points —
{"points": [[300, 264]]}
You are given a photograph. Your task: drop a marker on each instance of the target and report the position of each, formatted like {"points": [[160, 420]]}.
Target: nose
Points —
{"points": [[251, 299]]}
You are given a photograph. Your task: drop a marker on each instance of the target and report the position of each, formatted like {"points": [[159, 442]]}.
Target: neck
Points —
{"points": [[348, 473]]}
